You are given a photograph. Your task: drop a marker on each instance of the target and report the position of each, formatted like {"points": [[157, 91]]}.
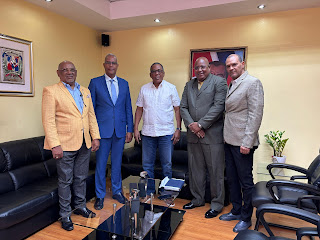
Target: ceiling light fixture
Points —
{"points": [[157, 20], [262, 6], [48, 0]]}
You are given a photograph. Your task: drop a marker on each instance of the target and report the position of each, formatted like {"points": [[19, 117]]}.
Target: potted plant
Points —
{"points": [[274, 139]]}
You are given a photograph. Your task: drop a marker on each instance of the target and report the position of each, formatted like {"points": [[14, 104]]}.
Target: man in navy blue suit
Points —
{"points": [[112, 104]]}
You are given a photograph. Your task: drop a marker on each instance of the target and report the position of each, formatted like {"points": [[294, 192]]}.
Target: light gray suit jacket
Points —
{"points": [[205, 106], [244, 110]]}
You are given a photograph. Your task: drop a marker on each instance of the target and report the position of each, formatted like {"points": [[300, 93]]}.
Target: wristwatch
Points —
{"points": [[199, 125], [179, 129]]}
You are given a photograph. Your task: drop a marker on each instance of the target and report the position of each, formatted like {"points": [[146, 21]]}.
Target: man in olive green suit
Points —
{"points": [[202, 108]]}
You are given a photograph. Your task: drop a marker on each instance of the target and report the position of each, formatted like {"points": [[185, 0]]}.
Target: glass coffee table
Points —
{"points": [[138, 218]]}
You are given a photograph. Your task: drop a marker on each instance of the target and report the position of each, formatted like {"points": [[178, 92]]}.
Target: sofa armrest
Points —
{"points": [[132, 155]]}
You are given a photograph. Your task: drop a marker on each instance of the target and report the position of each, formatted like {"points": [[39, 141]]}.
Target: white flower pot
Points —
{"points": [[279, 159]]}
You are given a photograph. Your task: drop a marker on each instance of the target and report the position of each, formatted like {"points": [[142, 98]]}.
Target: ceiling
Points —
{"points": [[115, 15]]}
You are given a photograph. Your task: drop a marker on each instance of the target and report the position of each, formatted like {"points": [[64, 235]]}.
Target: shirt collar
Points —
{"points": [[242, 76], [77, 85], [160, 85], [109, 78]]}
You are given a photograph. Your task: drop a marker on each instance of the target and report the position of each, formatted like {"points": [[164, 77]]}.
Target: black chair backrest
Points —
{"points": [[314, 172]]}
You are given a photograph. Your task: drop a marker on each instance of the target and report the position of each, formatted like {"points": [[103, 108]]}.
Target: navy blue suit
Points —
{"points": [[114, 122]]}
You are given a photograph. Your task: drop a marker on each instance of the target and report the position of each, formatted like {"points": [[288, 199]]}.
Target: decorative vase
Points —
{"points": [[279, 159]]}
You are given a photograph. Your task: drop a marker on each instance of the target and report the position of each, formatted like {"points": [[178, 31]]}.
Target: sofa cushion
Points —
{"points": [[20, 153], [51, 167], [46, 154], [3, 163], [6, 184], [28, 174], [22, 204]]}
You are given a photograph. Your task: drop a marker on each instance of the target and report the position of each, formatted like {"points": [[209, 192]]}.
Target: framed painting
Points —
{"points": [[217, 59], [16, 67]]}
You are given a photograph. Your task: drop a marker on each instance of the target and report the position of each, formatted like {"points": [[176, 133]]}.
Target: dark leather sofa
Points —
{"points": [[28, 188], [132, 165]]}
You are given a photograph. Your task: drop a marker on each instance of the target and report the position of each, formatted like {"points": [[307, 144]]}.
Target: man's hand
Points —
{"points": [[57, 152], [176, 136], [194, 127], [137, 136], [128, 137], [201, 134], [244, 150], [95, 145]]}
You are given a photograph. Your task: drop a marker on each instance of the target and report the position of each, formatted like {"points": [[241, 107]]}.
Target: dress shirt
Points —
{"points": [[76, 94], [232, 83], [158, 112], [115, 82]]}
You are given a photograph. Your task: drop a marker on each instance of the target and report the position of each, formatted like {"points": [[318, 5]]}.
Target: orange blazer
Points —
{"points": [[62, 121]]}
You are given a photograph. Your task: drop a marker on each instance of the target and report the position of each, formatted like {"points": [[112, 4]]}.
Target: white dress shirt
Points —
{"points": [[158, 112], [108, 82]]}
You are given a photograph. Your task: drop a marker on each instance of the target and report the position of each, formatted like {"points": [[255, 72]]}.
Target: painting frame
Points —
{"points": [[16, 67], [216, 56]]}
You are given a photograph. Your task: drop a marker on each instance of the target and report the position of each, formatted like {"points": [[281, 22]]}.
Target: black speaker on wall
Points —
{"points": [[105, 40]]}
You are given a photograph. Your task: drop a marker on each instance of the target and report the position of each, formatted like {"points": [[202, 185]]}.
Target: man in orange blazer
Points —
{"points": [[71, 129]]}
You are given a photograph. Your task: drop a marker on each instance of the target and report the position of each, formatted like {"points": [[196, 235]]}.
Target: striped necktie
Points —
{"points": [[113, 92]]}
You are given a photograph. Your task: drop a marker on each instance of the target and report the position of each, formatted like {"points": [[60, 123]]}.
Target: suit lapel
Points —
{"points": [[239, 81], [103, 84], [205, 84], [65, 90]]}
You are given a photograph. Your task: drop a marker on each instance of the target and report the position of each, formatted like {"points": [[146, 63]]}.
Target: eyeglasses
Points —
{"points": [[200, 67], [109, 63], [158, 70], [73, 70]]}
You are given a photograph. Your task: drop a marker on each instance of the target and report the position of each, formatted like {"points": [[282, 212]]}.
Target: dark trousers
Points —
{"points": [[203, 158], [240, 180], [73, 170]]}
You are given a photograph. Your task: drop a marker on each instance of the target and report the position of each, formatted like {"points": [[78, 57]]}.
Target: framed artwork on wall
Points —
{"points": [[16, 67], [217, 59]]}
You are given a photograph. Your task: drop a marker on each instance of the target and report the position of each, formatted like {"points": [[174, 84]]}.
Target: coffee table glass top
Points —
{"points": [[136, 219]]}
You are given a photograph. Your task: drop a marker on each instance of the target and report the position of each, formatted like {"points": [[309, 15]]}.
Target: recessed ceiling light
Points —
{"points": [[262, 6], [48, 0], [157, 20]]}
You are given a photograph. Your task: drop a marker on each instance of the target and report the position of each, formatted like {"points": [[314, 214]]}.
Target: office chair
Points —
{"points": [[264, 209], [290, 192]]}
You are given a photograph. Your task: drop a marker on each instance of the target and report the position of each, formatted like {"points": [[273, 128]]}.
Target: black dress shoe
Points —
{"points": [[241, 225], [119, 197], [189, 205], [98, 205], [211, 213], [229, 217], [66, 223], [85, 212]]}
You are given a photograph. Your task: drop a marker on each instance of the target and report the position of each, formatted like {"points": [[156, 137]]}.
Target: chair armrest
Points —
{"points": [[286, 166], [298, 177], [132, 155], [284, 210], [289, 183], [306, 231], [304, 197]]}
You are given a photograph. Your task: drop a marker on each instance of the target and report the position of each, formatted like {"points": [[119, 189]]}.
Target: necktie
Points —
{"points": [[113, 92]]}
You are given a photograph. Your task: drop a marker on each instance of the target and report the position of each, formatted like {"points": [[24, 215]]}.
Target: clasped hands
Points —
{"points": [[195, 129]]}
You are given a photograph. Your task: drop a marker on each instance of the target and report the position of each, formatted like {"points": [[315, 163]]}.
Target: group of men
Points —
{"points": [[222, 129]]}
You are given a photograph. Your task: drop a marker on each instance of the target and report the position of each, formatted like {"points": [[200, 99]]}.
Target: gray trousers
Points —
{"points": [[72, 170], [203, 158]]}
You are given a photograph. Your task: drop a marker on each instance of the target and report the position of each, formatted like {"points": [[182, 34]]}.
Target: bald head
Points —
{"points": [[201, 68], [67, 73]]}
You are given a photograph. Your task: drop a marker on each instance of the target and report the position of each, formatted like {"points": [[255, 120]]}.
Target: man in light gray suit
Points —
{"points": [[244, 110], [202, 108]]}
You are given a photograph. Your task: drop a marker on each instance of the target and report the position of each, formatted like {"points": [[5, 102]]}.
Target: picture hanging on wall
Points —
{"points": [[16, 68], [217, 59]]}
